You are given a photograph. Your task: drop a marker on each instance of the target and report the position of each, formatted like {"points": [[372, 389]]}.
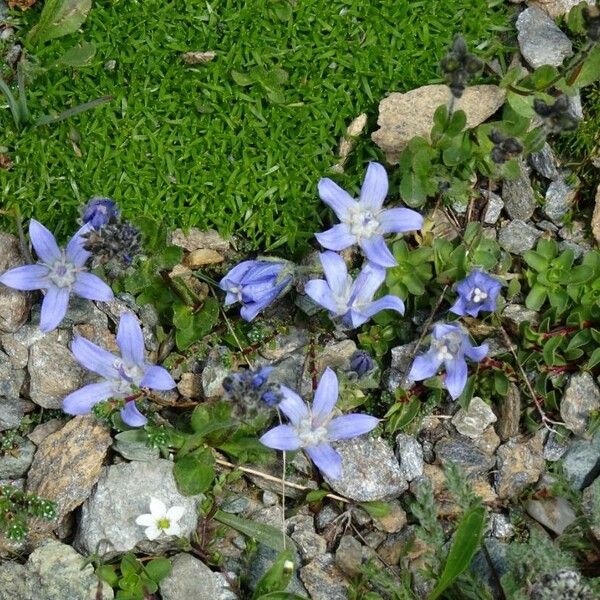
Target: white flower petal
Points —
{"points": [[175, 513], [173, 529], [146, 520], [153, 532], [158, 508]]}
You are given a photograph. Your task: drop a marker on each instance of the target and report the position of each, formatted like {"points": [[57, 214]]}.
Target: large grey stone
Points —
{"points": [[123, 493], [404, 116], [410, 456], [581, 462], [15, 462], [494, 207], [464, 453], [554, 513], [559, 199], [544, 162], [581, 398], [53, 372], [397, 375], [475, 419], [14, 304], [519, 465], [191, 579], [13, 576], [541, 42], [517, 237], [11, 405], [518, 195], [324, 580], [510, 413], [55, 572], [370, 471], [557, 8]]}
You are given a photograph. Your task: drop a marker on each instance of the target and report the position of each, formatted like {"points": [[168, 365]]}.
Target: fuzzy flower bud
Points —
{"points": [[100, 211]]}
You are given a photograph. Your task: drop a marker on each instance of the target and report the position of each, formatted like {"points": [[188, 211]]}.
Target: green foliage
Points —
{"points": [[59, 18], [188, 143], [133, 579], [277, 578], [17, 508]]}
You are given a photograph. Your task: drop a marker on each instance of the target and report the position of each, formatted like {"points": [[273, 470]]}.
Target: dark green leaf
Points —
{"points": [[536, 297], [377, 508], [158, 568], [465, 544], [79, 56], [195, 472], [59, 18], [108, 574], [277, 578]]}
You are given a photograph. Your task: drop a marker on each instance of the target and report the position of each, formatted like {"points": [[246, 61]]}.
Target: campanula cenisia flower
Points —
{"points": [[363, 221], [352, 301], [121, 375], [450, 345], [478, 291], [361, 363], [256, 284], [59, 272], [314, 428], [100, 211]]}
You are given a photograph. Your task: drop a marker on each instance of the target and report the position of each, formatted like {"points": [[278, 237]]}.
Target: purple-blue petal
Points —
{"points": [[28, 277], [377, 252], [476, 353], [234, 276], [75, 251], [292, 406], [132, 416], [335, 270], [456, 376], [338, 199], [375, 187], [94, 358], [130, 339], [157, 378], [325, 398], [320, 292], [399, 220], [327, 460], [349, 426], [54, 308], [459, 307], [424, 366], [367, 283], [388, 302], [442, 329], [90, 286], [337, 238], [282, 437], [82, 400], [43, 242]]}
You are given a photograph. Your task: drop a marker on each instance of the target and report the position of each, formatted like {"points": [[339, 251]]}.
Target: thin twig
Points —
{"points": [[428, 322], [545, 419], [268, 477]]}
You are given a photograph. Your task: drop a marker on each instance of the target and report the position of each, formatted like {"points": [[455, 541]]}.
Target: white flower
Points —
{"points": [[160, 520]]}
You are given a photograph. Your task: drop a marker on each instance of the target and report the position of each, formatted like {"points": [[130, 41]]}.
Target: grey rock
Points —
{"points": [[510, 413], [544, 162], [497, 552], [235, 505], [516, 314], [410, 456], [370, 471], [325, 517], [14, 304], [214, 372], [500, 527], [132, 445], [464, 453], [494, 207], [191, 578], [590, 505], [397, 374], [559, 199], [269, 498], [394, 520], [519, 465], [473, 421], [546, 225], [285, 344], [14, 463], [308, 542], [581, 398], [53, 373], [578, 249], [102, 518], [54, 572], [11, 405], [557, 8], [554, 448], [554, 513], [17, 345], [288, 371], [348, 556], [517, 237], [323, 579], [518, 195], [581, 462], [575, 106], [13, 576], [541, 42]]}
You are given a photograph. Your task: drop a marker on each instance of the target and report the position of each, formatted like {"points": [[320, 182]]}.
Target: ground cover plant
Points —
{"points": [[399, 401]]}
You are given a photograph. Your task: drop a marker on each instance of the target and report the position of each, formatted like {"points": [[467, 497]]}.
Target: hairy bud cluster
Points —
{"points": [[459, 65], [557, 116], [505, 147]]}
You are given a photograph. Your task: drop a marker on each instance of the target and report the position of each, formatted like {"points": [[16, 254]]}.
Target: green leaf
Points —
{"points": [[535, 261], [79, 56], [242, 79], [594, 359], [265, 534], [543, 76], [457, 123], [277, 578], [315, 496], [193, 326], [195, 472], [465, 544], [377, 508], [522, 105], [590, 71], [59, 18], [130, 566], [536, 297], [108, 574], [158, 568]]}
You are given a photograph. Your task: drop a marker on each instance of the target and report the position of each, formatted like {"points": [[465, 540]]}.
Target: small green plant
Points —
{"points": [[17, 508]]}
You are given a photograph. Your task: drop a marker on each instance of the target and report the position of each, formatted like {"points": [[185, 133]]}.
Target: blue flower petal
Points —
{"points": [[88, 285], [282, 437], [349, 426], [377, 252], [82, 400], [132, 416], [130, 339], [375, 187], [325, 398], [338, 199], [456, 376], [54, 308], [327, 460], [94, 358], [43, 242], [157, 378], [337, 238], [28, 277], [399, 220]]}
